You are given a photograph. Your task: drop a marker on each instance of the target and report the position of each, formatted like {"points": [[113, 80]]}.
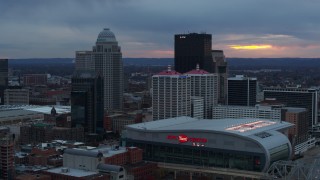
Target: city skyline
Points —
{"points": [[245, 28]]}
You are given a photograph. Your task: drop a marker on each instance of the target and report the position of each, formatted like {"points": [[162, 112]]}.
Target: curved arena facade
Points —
{"points": [[246, 144]]}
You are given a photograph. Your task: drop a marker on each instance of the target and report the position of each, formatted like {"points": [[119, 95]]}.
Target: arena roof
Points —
{"points": [[241, 126]]}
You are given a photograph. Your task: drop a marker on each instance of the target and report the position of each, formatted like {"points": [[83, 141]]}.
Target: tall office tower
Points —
{"points": [[84, 60], [192, 49], [171, 95], [3, 78], [105, 59], [87, 102], [6, 157], [297, 97], [242, 91], [221, 68], [204, 84]]}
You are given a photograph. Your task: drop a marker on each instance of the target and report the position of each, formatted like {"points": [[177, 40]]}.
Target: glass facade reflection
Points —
{"points": [[87, 101], [200, 156]]}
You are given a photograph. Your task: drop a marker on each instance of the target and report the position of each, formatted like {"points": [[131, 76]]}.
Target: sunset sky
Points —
{"points": [[146, 28]]}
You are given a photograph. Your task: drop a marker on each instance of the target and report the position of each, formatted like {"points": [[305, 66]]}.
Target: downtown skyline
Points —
{"points": [[247, 28]]}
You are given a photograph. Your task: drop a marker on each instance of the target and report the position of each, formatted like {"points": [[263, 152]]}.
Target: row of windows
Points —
{"points": [[201, 156]]}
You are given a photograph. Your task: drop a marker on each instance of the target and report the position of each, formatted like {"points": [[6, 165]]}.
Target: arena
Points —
{"points": [[246, 144]]}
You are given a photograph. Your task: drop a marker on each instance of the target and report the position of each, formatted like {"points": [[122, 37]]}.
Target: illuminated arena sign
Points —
{"points": [[184, 138]]}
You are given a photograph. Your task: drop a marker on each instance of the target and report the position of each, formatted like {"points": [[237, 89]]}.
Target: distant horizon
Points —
{"points": [[169, 58], [242, 29]]}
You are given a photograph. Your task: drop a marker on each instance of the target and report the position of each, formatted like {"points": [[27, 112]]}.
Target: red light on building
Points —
{"points": [[183, 138], [257, 161], [171, 137]]}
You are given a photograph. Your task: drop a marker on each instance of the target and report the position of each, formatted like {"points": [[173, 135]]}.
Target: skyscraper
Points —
{"points": [[3, 78], [171, 95], [192, 49], [221, 69], [205, 85], [105, 59], [87, 102], [242, 91], [6, 157], [297, 97]]}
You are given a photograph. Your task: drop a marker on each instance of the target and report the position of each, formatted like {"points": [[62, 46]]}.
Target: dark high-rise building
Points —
{"points": [[7, 156], [192, 49], [87, 101], [3, 78], [242, 91], [221, 69], [297, 97]]}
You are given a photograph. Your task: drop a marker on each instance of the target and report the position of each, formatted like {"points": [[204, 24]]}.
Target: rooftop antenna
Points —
{"points": [[197, 67], [169, 68]]}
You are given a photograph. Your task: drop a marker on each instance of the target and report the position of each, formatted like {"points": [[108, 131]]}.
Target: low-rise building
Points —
{"points": [[31, 176], [67, 173], [264, 112], [118, 120], [91, 158], [45, 157], [16, 97]]}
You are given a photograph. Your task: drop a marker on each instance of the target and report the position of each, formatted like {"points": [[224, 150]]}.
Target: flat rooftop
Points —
{"points": [[107, 151], [72, 172], [11, 111], [4, 115], [47, 109]]}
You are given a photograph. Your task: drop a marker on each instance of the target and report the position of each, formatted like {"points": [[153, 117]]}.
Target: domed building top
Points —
{"points": [[106, 36]]}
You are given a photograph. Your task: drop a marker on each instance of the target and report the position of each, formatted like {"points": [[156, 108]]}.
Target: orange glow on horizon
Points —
{"points": [[149, 53], [251, 47]]}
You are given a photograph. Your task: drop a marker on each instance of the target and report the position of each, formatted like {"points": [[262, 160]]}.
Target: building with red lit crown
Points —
{"points": [[245, 144], [171, 95], [205, 85]]}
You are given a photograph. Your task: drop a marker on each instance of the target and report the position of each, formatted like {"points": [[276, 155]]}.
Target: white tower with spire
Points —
{"points": [[106, 60]]}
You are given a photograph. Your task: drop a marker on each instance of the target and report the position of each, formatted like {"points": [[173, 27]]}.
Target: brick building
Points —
{"points": [[298, 117], [130, 158], [45, 157], [117, 121], [40, 132], [34, 79], [33, 177]]}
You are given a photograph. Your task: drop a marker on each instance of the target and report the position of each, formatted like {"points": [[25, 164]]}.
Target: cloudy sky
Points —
{"points": [[146, 28]]}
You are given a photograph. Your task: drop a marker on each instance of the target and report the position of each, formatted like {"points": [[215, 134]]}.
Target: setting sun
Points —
{"points": [[251, 47]]}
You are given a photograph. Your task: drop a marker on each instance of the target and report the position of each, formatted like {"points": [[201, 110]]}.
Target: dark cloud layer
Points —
{"points": [[43, 28]]}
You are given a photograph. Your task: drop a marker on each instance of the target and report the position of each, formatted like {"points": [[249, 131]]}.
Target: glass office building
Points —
{"points": [[87, 101]]}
